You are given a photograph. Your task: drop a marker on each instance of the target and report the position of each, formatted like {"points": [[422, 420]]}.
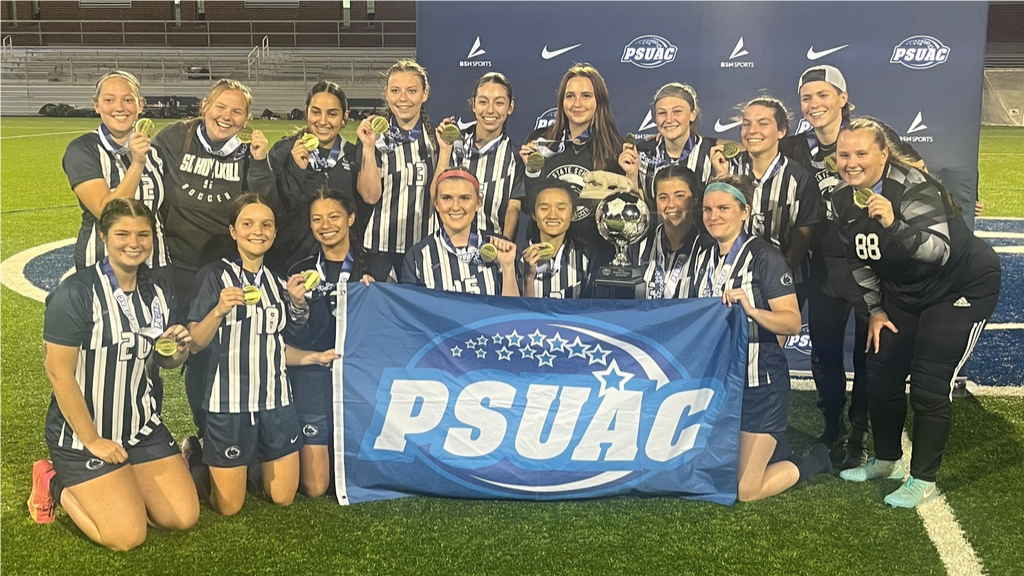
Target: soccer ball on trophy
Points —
{"points": [[622, 218]]}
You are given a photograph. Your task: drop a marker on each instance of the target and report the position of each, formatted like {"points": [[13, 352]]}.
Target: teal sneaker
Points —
{"points": [[912, 494], [888, 469]]}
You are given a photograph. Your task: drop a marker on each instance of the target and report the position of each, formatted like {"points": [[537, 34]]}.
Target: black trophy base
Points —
{"points": [[620, 283]]}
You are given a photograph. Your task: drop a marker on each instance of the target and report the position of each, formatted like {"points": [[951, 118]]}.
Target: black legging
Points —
{"points": [[195, 386], [931, 346]]}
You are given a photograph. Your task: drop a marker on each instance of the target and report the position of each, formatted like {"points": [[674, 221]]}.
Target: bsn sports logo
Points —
{"points": [[919, 53], [647, 127], [917, 125], [737, 52], [649, 51], [800, 342], [526, 404], [546, 119], [475, 51]]}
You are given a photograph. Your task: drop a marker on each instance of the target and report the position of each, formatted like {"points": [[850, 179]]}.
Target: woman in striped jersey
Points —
{"points": [[241, 310], [116, 161], [485, 150], [831, 292], [677, 142], [207, 166], [744, 269], [114, 463], [785, 206], [567, 273], [666, 251], [582, 138], [339, 259], [393, 171], [451, 258], [300, 173], [929, 286]]}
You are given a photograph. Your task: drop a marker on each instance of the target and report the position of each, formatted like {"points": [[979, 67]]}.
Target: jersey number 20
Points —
{"points": [[867, 247]]}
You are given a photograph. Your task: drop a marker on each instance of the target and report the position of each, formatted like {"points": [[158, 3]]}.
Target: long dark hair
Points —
{"points": [[680, 172], [331, 88], [412, 67], [493, 78], [348, 204], [604, 135], [130, 208]]}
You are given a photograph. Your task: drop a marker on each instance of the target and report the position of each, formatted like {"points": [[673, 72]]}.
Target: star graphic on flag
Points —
{"points": [[471, 344], [482, 341], [456, 352], [537, 339], [514, 339], [497, 338], [527, 352], [612, 378], [598, 355], [577, 348], [557, 344], [545, 358], [504, 354], [481, 353]]}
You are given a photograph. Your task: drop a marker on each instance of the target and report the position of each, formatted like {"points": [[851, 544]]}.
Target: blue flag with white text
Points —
{"points": [[521, 398]]}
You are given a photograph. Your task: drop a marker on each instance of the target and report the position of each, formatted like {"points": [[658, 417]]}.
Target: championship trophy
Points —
{"points": [[622, 219]]}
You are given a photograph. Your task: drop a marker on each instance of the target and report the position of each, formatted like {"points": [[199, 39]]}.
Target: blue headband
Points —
{"points": [[728, 189]]}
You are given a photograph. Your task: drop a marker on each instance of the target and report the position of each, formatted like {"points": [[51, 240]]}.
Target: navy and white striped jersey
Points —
{"points": [[784, 198], [763, 273], [111, 372], [923, 258], [566, 275], [665, 270], [653, 157], [403, 216], [431, 264], [500, 171], [246, 371], [95, 156]]}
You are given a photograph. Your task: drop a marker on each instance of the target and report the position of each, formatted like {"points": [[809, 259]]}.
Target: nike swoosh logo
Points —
{"points": [[719, 127], [463, 125], [545, 54], [294, 440], [812, 55]]}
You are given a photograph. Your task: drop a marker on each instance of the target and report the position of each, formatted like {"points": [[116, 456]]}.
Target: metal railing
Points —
{"points": [[208, 33], [261, 50]]}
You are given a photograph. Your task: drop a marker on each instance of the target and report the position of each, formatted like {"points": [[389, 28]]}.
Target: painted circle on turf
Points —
{"points": [[36, 272]]}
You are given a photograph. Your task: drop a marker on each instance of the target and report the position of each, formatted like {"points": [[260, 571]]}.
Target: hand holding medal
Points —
{"points": [[878, 206], [629, 158], [257, 141], [298, 286], [139, 141], [174, 340], [448, 132]]}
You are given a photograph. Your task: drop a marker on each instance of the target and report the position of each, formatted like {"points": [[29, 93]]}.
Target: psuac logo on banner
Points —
{"points": [[737, 52], [649, 51], [800, 342], [527, 404], [475, 52], [546, 119], [920, 52]]}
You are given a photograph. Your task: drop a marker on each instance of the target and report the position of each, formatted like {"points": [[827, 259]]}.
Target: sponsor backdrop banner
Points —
{"points": [[523, 398], [917, 66]]}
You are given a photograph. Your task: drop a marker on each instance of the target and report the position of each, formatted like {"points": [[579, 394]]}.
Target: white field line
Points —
{"points": [[1008, 235], [1009, 249], [1017, 218], [1005, 326], [11, 269], [804, 384], [47, 134], [945, 532]]}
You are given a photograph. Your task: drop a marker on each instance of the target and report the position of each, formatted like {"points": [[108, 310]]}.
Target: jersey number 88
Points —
{"points": [[867, 247]]}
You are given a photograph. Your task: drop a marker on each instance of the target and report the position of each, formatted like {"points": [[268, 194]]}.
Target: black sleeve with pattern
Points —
{"points": [[68, 316], [82, 162], [921, 226], [868, 282]]}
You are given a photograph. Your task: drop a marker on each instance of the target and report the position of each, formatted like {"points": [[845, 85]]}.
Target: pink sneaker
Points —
{"points": [[40, 502]]}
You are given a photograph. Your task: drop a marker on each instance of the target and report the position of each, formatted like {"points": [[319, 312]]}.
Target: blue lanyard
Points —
{"points": [[661, 157], [257, 281], [471, 253], [229, 148], [464, 148], [745, 167], [661, 248], [395, 136], [153, 331], [714, 284], [346, 267], [319, 163]]}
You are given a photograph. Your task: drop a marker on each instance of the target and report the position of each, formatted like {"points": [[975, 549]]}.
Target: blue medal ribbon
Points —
{"points": [[715, 275], [347, 267], [659, 156], [320, 164], [471, 253], [152, 332], [232, 147], [395, 136]]}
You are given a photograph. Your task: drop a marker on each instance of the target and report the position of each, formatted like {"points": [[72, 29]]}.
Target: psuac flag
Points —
{"points": [[522, 398]]}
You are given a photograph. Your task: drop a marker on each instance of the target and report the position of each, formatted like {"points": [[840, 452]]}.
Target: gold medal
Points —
{"points": [[534, 162], [450, 133], [312, 278], [546, 251], [830, 163], [310, 142], [379, 125], [730, 150], [244, 135], [488, 252], [631, 139], [166, 346], [861, 197], [145, 126], [251, 294]]}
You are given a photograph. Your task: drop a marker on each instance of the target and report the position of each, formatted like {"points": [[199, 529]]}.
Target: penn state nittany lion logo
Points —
{"points": [[525, 404]]}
